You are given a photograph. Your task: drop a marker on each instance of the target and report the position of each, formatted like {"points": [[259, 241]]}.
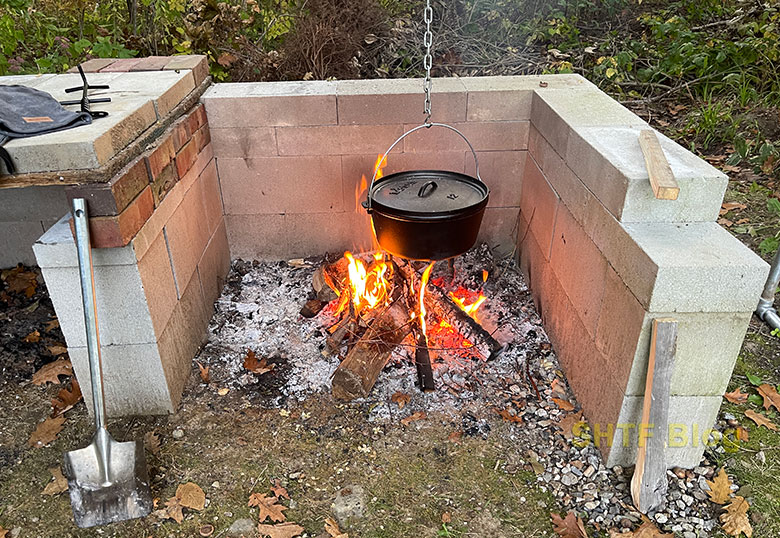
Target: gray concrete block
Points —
{"points": [[32, 203], [133, 378], [538, 205], [708, 344], [499, 229], [700, 268], [692, 414], [16, 241]]}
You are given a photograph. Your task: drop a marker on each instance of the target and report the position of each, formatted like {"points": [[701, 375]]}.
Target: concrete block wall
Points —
{"points": [[25, 213], [291, 155], [157, 278], [604, 258]]}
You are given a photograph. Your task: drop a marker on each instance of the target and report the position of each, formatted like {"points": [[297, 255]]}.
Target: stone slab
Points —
{"points": [[197, 63]]}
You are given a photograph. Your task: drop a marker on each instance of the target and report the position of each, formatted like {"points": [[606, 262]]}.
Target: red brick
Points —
{"points": [[186, 157], [151, 63], [117, 231], [159, 157], [181, 133], [197, 117], [93, 66], [163, 183], [122, 65], [205, 138], [106, 199]]}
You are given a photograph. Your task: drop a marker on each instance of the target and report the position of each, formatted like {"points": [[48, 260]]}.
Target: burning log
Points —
{"points": [[357, 373]]}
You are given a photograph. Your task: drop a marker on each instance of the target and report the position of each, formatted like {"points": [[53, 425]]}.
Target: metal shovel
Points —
{"points": [[108, 481]]}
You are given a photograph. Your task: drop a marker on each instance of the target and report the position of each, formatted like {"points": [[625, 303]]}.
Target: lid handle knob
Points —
{"points": [[427, 189]]}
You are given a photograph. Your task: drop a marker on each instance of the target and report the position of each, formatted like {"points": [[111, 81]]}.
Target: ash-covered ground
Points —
{"points": [[260, 311]]}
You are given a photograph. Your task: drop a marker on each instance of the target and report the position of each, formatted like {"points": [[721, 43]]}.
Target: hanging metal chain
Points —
{"points": [[428, 60]]}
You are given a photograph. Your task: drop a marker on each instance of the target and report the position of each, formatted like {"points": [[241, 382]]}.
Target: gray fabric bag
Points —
{"points": [[29, 112]]}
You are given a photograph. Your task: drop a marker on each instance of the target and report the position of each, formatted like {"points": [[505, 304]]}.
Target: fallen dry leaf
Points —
{"points": [[736, 397], [507, 415], [20, 281], [188, 495], [49, 373], [57, 349], [152, 442], [332, 528], [446, 517], [66, 399], [419, 415], [256, 367], [283, 530], [569, 527], [720, 488], [568, 422], [53, 324], [646, 530], [401, 399], [3, 532], [742, 434], [455, 437], [731, 206], [279, 491], [223, 391], [771, 397], [563, 404], [58, 483], [204, 372], [33, 337], [760, 420], [226, 59], [735, 520], [46, 432], [725, 222], [268, 507]]}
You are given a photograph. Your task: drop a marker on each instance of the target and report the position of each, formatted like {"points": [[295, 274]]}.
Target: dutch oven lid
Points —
{"points": [[428, 192]]}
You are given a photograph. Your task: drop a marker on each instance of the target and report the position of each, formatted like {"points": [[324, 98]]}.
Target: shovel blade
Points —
{"points": [[126, 497]]}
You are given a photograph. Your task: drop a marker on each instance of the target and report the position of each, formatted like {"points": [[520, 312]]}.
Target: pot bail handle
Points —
{"points": [[367, 203]]}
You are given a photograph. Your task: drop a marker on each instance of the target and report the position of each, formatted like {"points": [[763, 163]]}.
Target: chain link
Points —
{"points": [[428, 60]]}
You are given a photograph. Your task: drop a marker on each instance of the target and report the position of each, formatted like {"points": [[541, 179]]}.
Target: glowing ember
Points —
{"points": [[465, 299], [424, 282], [368, 287]]}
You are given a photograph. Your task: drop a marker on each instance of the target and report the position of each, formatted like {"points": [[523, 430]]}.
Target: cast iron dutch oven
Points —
{"points": [[427, 214]]}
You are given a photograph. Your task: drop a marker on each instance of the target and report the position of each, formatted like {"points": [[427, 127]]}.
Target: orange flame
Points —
{"points": [[424, 282], [368, 286]]}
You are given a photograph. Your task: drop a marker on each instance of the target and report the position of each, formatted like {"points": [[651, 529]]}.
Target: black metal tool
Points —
{"points": [[85, 100]]}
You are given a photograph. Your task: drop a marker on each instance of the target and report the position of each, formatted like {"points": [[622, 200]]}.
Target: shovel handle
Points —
{"points": [[84, 251]]}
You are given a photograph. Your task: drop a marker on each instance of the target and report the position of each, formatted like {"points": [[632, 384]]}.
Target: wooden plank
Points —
{"points": [[661, 177], [648, 485]]}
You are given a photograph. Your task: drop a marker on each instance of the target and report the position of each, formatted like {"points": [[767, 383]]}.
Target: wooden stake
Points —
{"points": [[648, 485], [661, 177]]}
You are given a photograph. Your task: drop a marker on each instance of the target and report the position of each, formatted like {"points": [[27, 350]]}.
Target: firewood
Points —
{"points": [[358, 372], [422, 359], [312, 308]]}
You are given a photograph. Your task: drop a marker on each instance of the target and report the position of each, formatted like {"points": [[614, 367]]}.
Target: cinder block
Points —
{"points": [[55, 248], [483, 136], [337, 140], [112, 198], [580, 268], [499, 229], [32, 203], [212, 197], [123, 315], [256, 236], [700, 268], [502, 172], [707, 347], [686, 412], [16, 242], [262, 104], [281, 184], [499, 105], [133, 379], [538, 205], [187, 235], [214, 265], [393, 101], [244, 143], [159, 287], [318, 233]]}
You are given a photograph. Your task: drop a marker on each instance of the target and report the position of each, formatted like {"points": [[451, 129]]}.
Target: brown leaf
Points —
{"points": [[279, 491], [455, 437], [226, 59], [419, 415], [53, 324], [204, 372], [33, 337], [21, 281], [568, 422], [736, 397], [563, 404], [256, 367], [284, 530], [760, 420], [507, 415], [49, 373], [742, 434], [401, 399], [446, 517], [731, 206], [570, 527], [268, 507], [646, 530], [46, 432], [332, 528], [720, 488], [57, 349], [190, 495], [735, 520], [173, 510], [66, 399], [725, 222], [3, 532], [152, 442], [58, 483], [771, 397]]}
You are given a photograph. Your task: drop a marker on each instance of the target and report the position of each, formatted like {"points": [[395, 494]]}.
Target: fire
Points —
{"points": [[423, 283], [368, 286], [462, 298]]}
